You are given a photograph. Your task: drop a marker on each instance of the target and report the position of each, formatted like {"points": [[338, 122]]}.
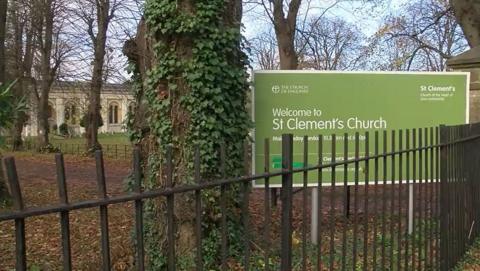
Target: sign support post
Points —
{"points": [[410, 208], [315, 219]]}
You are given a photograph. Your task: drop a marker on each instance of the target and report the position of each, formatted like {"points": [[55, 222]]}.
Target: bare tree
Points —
{"points": [[284, 19], [83, 22], [430, 31], [330, 44], [105, 10], [48, 22], [100, 29], [285, 25], [288, 17], [20, 60], [389, 54], [264, 51]]}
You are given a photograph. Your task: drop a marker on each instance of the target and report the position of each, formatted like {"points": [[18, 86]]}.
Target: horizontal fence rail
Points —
{"points": [[115, 151], [406, 201]]}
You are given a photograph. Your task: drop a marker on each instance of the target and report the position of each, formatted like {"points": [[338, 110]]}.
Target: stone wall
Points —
{"points": [[474, 93], [469, 61]]}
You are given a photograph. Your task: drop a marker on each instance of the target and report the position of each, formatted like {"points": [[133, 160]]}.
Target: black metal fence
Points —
{"points": [[414, 204], [460, 191], [114, 151]]}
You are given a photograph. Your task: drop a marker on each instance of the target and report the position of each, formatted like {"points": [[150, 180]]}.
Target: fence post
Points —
{"points": [[274, 196], [286, 197], [64, 215], [137, 172], [346, 208], [443, 205], [20, 247], [102, 194]]}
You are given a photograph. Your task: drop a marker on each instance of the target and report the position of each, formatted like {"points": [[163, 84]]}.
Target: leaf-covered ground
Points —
{"points": [[471, 260], [37, 177]]}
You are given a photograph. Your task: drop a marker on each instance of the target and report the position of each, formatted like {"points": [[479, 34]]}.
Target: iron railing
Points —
{"points": [[115, 151], [414, 204], [460, 191]]}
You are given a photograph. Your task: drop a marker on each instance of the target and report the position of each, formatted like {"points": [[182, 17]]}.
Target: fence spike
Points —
{"points": [[20, 246], [137, 173], [102, 194], [286, 195], [64, 215]]}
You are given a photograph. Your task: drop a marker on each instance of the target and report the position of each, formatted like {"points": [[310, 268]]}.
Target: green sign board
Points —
{"points": [[311, 103]]}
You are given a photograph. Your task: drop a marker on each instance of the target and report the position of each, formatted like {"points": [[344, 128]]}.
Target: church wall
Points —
{"points": [[63, 99]]}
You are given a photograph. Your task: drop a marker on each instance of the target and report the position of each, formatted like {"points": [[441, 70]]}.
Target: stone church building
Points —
{"points": [[68, 103]]}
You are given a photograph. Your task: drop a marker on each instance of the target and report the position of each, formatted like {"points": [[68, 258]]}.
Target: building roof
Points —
{"points": [[85, 86]]}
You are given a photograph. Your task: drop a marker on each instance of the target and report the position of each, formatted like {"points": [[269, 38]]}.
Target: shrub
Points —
{"points": [[48, 149], [83, 121], [63, 129]]}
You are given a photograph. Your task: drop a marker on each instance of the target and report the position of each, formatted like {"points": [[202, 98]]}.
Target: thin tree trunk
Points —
{"points": [[3, 22], [17, 131], [42, 115], [22, 69], [99, 42], [47, 72], [23, 87]]}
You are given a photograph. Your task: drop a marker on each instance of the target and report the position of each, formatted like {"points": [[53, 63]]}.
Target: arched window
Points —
{"points": [[113, 113], [71, 113]]}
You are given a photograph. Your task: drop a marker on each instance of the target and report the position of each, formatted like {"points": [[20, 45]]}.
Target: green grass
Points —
{"points": [[114, 145], [110, 139], [107, 139]]}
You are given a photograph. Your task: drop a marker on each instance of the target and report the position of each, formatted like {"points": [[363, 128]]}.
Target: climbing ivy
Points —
{"points": [[215, 76], [207, 79]]}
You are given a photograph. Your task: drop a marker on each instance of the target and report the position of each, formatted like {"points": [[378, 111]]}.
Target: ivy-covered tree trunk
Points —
{"points": [[188, 55]]}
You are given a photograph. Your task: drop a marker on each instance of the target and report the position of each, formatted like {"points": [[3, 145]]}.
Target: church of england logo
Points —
{"points": [[290, 89], [276, 89]]}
